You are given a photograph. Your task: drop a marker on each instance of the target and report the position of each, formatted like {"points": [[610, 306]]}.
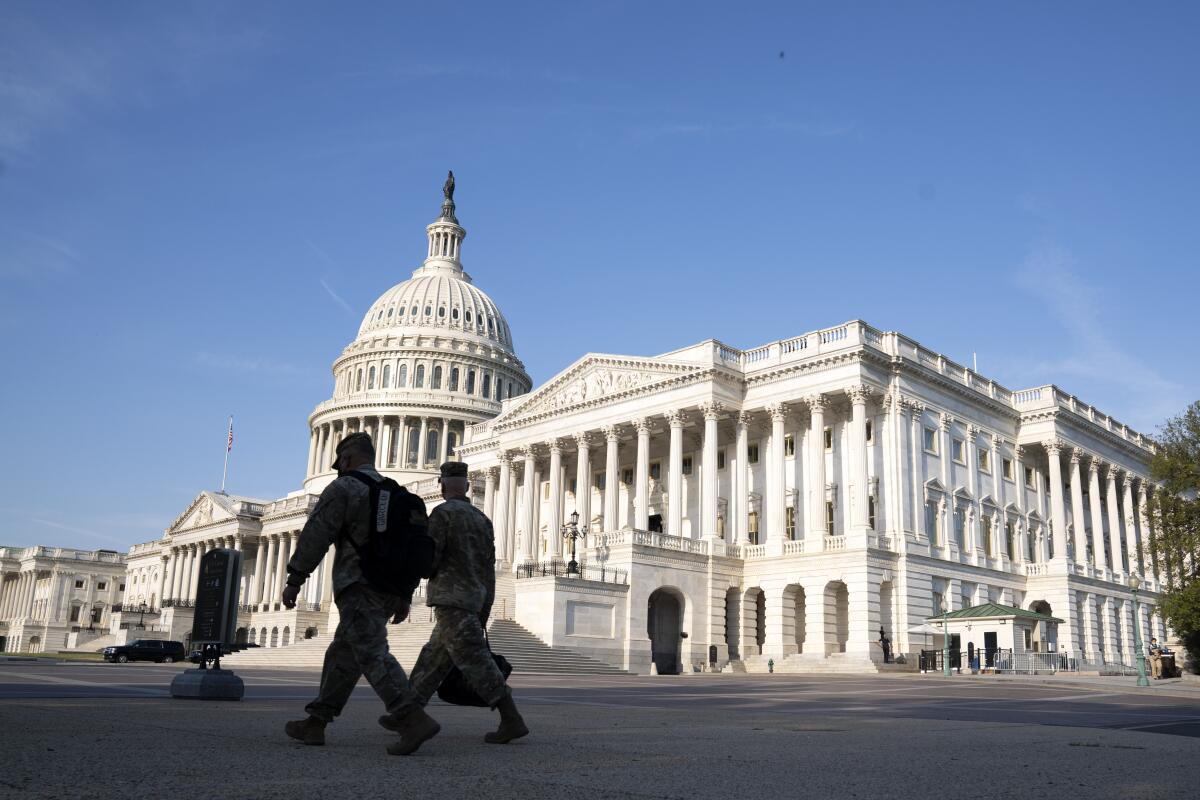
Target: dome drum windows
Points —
{"points": [[487, 385], [358, 381], [419, 377], [371, 378], [470, 381], [387, 376], [402, 380], [453, 379], [436, 383]]}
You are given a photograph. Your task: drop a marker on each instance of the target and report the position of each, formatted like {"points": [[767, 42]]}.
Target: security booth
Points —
{"points": [[995, 637]]}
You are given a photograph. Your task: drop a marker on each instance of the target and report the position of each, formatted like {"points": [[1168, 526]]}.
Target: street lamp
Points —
{"points": [[142, 615], [571, 532], [1134, 583]]}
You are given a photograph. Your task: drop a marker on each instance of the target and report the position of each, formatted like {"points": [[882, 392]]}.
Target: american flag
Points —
{"points": [[229, 442]]}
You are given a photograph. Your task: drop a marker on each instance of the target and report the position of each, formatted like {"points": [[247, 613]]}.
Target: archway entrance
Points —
{"points": [[35, 644], [837, 617], [1041, 637], [241, 636], [733, 622], [664, 620]]}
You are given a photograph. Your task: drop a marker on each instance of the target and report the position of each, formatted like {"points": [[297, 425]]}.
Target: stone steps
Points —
{"points": [[527, 653]]}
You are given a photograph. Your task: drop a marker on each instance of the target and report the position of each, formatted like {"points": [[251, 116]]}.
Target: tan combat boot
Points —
{"points": [[415, 728], [309, 731], [511, 724]]}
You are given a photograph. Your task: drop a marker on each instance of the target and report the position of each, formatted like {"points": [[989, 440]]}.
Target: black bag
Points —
{"points": [[456, 691], [399, 551]]}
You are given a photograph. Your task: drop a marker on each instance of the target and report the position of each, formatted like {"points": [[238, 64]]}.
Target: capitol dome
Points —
{"points": [[433, 354]]}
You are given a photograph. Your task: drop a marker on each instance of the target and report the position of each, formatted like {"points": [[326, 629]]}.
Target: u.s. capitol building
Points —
{"points": [[782, 503]]}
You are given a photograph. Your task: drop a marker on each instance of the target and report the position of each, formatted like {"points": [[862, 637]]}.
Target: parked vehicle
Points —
{"points": [[146, 650]]}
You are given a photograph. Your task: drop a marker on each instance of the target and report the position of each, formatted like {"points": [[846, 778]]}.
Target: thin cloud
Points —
{"points": [[28, 256], [337, 298], [329, 262], [75, 529]]}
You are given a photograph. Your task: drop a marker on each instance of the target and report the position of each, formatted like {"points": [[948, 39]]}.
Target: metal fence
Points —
{"points": [[1037, 663], [561, 569]]}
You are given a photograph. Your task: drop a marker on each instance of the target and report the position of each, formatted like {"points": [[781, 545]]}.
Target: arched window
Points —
{"points": [[387, 376], [510, 389], [454, 379], [414, 311], [419, 378], [487, 385], [468, 316], [454, 315], [371, 378], [499, 390], [390, 310], [451, 442], [441, 312], [358, 382], [437, 378], [431, 445], [429, 311], [402, 380], [491, 325], [470, 381], [414, 440]]}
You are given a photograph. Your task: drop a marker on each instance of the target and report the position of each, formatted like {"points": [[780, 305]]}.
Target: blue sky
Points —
{"points": [[199, 202]]}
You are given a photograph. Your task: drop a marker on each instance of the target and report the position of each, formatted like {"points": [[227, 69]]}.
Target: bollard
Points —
{"points": [[771, 666]]}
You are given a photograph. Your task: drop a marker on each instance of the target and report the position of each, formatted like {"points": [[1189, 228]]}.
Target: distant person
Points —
{"points": [[1156, 660], [885, 644], [343, 516], [461, 593]]}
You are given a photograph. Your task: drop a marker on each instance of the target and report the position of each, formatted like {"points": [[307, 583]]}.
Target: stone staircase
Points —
{"points": [[527, 653]]}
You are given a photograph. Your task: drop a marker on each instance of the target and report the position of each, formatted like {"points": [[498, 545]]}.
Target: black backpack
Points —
{"points": [[399, 551]]}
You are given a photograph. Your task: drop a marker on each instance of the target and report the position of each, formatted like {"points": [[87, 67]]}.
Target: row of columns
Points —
{"points": [[17, 599], [179, 573], [385, 432]]}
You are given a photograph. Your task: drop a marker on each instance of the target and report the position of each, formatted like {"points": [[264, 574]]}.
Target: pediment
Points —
{"points": [[594, 379], [202, 511]]}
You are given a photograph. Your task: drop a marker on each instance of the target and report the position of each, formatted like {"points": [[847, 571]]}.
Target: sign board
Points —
{"points": [[215, 619]]}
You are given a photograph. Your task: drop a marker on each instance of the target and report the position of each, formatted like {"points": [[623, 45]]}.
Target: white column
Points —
{"points": [[1144, 520], [444, 442], [164, 562], [281, 569], [530, 534], [741, 481], [858, 456], [511, 556], [260, 563], [583, 478], [402, 445], [676, 420], [817, 529], [324, 452], [641, 476], [1094, 506], [384, 446], [1077, 512], [489, 493], [776, 515], [1130, 524], [326, 596], [708, 517], [916, 456], [422, 443], [1058, 510], [173, 565], [1114, 520], [268, 572], [612, 479], [553, 546], [503, 501]]}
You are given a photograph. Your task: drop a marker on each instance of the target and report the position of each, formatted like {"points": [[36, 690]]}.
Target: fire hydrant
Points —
{"points": [[771, 665]]}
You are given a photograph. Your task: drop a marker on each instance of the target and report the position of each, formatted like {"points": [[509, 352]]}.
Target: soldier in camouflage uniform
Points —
{"points": [[359, 645], [461, 592]]}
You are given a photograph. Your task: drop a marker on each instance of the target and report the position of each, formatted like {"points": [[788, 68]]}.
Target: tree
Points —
{"points": [[1174, 511]]}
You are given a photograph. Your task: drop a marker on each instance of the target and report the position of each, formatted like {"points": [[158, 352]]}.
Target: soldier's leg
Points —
{"points": [[432, 665], [366, 634], [463, 638], [339, 676]]}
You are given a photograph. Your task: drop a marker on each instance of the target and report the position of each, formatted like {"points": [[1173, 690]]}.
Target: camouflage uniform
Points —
{"points": [[461, 591], [359, 646]]}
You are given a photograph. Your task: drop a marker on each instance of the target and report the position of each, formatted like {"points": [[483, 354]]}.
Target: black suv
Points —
{"points": [[146, 650]]}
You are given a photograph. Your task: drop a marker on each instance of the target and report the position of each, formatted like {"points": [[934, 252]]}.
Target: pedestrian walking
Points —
{"points": [[352, 513], [461, 592]]}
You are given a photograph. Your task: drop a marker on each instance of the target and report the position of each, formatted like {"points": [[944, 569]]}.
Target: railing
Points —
{"points": [[754, 551], [666, 542], [931, 660], [833, 334], [1035, 570], [133, 626], [835, 542], [1026, 396], [885, 543], [179, 602], [793, 547], [560, 569], [1036, 663], [118, 608]]}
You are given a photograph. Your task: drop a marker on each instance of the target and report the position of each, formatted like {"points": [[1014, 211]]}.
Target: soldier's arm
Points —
{"points": [[439, 532], [490, 598], [320, 531]]}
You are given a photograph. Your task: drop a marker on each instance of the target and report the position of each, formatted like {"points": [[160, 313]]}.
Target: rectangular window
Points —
{"points": [[1028, 639], [687, 465], [78, 584], [1010, 539], [985, 525], [829, 439], [121, 588], [960, 525], [101, 586], [96, 612], [1029, 477], [871, 513], [752, 453], [1030, 548], [627, 476], [656, 470], [1007, 469], [985, 460], [870, 432], [790, 522], [931, 440], [75, 613], [829, 516], [752, 527], [721, 458], [598, 481], [931, 522], [789, 445], [959, 451]]}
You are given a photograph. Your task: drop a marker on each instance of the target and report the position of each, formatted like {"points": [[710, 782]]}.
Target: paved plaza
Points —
{"points": [[111, 731]]}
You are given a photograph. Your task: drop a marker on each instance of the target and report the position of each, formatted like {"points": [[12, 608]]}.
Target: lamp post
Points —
{"points": [[1134, 583], [142, 615], [572, 532], [945, 643]]}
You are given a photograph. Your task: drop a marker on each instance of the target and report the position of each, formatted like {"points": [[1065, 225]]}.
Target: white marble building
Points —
{"points": [[46, 593], [781, 503]]}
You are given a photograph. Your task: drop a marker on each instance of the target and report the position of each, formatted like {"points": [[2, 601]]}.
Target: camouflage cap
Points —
{"points": [[359, 439], [454, 469]]}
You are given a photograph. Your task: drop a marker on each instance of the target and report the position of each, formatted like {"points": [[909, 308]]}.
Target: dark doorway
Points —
{"points": [[664, 620], [989, 648], [655, 523]]}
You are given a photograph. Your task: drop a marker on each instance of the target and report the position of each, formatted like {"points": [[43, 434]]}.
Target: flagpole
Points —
{"points": [[228, 447]]}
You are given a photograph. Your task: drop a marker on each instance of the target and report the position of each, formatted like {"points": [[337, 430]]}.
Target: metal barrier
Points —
{"points": [[1036, 663], [560, 569]]}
